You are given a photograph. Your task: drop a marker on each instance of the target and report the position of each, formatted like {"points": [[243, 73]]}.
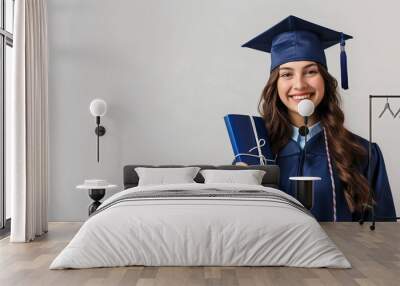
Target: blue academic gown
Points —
{"points": [[316, 164]]}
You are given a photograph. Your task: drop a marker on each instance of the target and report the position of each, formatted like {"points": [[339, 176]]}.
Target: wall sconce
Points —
{"points": [[98, 108]]}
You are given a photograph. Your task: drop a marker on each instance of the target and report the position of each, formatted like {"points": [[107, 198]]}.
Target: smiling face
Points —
{"points": [[298, 81]]}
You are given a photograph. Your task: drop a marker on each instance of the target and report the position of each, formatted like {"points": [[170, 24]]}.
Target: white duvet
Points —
{"points": [[200, 231]]}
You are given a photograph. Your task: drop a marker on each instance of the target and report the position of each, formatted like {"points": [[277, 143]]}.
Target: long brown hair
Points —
{"points": [[345, 151]]}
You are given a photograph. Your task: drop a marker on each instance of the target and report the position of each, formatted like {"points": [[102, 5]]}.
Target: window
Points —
{"points": [[6, 44]]}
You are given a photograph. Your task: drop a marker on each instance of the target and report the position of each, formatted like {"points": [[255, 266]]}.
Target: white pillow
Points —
{"points": [[165, 176], [248, 177]]}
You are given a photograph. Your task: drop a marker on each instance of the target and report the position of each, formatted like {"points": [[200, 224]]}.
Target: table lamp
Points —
{"points": [[304, 186]]}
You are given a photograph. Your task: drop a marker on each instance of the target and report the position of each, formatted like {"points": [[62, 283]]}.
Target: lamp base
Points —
{"points": [[100, 130]]}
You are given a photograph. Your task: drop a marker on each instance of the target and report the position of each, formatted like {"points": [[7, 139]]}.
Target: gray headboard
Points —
{"points": [[271, 177]]}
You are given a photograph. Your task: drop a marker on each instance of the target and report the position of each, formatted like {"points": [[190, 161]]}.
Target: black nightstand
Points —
{"points": [[96, 193]]}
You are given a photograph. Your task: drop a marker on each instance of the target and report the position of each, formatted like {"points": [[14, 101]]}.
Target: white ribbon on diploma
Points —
{"points": [[259, 144]]}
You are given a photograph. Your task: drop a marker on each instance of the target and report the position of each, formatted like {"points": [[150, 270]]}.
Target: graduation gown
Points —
{"points": [[316, 164]]}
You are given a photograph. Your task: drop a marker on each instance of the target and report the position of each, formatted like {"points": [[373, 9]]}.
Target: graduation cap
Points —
{"points": [[294, 39]]}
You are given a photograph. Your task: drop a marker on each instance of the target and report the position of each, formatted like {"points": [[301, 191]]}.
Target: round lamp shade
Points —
{"points": [[98, 107], [305, 107]]}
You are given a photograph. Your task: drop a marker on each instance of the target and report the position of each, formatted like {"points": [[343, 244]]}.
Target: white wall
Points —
{"points": [[170, 70]]}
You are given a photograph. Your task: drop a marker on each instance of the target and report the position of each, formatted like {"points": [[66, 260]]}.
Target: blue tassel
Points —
{"points": [[343, 63]]}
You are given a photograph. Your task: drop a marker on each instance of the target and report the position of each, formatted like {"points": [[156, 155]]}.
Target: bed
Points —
{"points": [[198, 224]]}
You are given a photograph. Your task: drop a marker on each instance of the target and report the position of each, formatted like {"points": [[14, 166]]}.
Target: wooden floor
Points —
{"points": [[375, 257]]}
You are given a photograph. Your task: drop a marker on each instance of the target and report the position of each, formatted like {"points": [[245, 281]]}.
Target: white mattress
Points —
{"points": [[200, 231]]}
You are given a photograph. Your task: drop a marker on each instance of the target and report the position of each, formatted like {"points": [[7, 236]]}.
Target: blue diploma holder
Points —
{"points": [[304, 190], [249, 139]]}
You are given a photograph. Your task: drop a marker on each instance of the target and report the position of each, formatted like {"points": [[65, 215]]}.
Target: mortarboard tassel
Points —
{"points": [[343, 63]]}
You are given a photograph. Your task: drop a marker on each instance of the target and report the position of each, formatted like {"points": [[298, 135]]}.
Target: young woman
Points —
{"points": [[340, 158]]}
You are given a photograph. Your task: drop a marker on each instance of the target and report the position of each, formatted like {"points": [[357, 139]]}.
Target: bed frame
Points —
{"points": [[270, 179]]}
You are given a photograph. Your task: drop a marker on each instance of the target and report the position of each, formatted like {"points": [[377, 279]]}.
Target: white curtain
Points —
{"points": [[27, 123]]}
